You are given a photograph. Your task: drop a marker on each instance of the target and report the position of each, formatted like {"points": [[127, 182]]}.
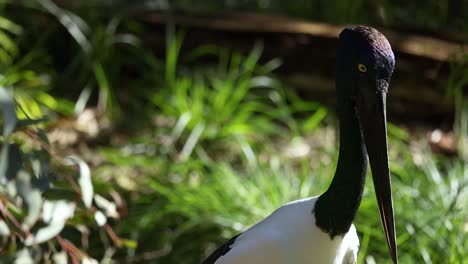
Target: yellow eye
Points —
{"points": [[362, 67]]}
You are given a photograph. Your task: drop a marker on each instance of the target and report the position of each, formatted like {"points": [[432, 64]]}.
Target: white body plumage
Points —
{"points": [[289, 235]]}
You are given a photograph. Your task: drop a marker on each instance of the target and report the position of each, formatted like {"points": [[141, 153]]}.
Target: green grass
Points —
{"points": [[430, 210], [237, 100], [430, 204]]}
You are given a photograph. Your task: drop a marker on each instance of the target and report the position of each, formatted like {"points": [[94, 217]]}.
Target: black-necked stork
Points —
{"points": [[320, 229]]}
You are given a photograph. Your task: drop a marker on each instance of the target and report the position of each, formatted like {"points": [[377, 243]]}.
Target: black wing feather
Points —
{"points": [[221, 251]]}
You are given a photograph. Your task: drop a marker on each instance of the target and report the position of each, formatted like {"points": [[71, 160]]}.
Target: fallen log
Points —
{"points": [[415, 45], [307, 51]]}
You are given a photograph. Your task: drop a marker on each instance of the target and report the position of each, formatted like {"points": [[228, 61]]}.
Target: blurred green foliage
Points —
{"points": [[196, 154]]}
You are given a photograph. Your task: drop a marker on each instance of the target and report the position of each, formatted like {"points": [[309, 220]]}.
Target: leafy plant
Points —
{"points": [[30, 89], [38, 210], [234, 101], [456, 83], [98, 62], [8, 48]]}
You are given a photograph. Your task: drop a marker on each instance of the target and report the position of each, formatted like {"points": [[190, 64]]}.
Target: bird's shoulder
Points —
{"points": [[221, 251], [267, 235]]}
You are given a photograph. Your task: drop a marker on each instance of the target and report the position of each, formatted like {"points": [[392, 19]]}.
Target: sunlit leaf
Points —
{"points": [[44, 234], [88, 260], [31, 195], [103, 84], [5, 57], [60, 257], [317, 117], [72, 23], [180, 126], [109, 208], [30, 108], [83, 99], [57, 211], [129, 243], [397, 132], [173, 45], [100, 218], [84, 181], [55, 214], [39, 161], [8, 44], [23, 256], [4, 230], [192, 141], [47, 100], [9, 25]]}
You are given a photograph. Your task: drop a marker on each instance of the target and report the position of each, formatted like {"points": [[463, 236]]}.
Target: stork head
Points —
{"points": [[365, 65]]}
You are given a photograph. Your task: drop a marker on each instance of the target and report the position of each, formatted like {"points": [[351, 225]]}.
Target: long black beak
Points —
{"points": [[373, 121]]}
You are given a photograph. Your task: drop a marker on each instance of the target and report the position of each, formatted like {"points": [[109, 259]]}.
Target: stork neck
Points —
{"points": [[336, 209]]}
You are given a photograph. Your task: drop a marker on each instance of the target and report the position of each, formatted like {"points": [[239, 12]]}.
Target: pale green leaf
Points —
{"points": [[100, 218], [8, 25], [23, 257], [60, 257], [55, 214], [84, 181], [31, 196], [57, 211], [4, 230], [109, 208], [44, 234]]}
